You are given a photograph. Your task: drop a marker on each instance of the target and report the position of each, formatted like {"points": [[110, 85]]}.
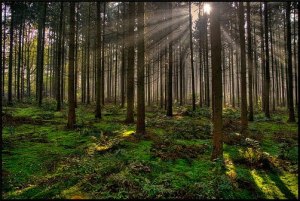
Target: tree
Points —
{"points": [[170, 73], [262, 55], [88, 57], [123, 58], [140, 125], [192, 62], [130, 68], [58, 66], [1, 66], [71, 98], [102, 57], [98, 69], [250, 63], [298, 50], [290, 69], [11, 36], [267, 67], [244, 120], [216, 59], [40, 53]]}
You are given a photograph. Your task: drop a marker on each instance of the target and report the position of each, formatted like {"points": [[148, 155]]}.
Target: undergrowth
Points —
{"points": [[104, 159]]}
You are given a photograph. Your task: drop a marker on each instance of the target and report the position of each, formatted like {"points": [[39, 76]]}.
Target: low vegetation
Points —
{"points": [[105, 159]]}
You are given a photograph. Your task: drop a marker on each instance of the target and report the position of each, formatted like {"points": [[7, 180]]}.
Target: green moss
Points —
{"points": [[192, 142], [27, 112], [270, 147], [140, 151], [108, 127], [49, 161]]}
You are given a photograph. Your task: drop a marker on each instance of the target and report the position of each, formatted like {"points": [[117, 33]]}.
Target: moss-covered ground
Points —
{"points": [[105, 159]]}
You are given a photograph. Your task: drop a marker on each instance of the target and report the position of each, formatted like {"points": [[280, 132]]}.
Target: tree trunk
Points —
{"points": [[102, 66], [76, 56], [290, 67], [71, 101], [130, 68], [181, 75], [272, 65], [40, 55], [88, 58], [19, 61], [11, 35], [250, 63], [98, 69], [244, 120], [262, 57], [140, 126], [123, 60], [170, 73], [58, 66], [216, 73], [1, 66], [267, 69], [192, 62], [207, 91], [4, 55]]}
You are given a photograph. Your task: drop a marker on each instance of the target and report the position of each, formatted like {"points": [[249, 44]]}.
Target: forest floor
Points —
{"points": [[105, 159]]}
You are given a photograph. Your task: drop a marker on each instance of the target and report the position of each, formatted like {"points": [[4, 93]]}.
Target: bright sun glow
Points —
{"points": [[207, 8]]}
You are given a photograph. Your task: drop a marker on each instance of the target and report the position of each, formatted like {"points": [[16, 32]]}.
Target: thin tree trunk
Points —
{"points": [[290, 67], [19, 61], [250, 63], [11, 35], [140, 125], [58, 66], [40, 55], [244, 120], [272, 65], [262, 57], [130, 68], [98, 69], [88, 98], [192, 59], [207, 91], [102, 66], [170, 73], [71, 98], [123, 60], [76, 55], [1, 66], [181, 74], [4, 53], [267, 70]]}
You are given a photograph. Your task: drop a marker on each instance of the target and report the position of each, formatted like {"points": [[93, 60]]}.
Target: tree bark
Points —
{"points": [[71, 98], [262, 57], [244, 120], [58, 66], [11, 35], [192, 59], [1, 66], [170, 73], [216, 73], [290, 67], [250, 63], [130, 68], [102, 66], [140, 126], [98, 69], [40, 55], [267, 67]]}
